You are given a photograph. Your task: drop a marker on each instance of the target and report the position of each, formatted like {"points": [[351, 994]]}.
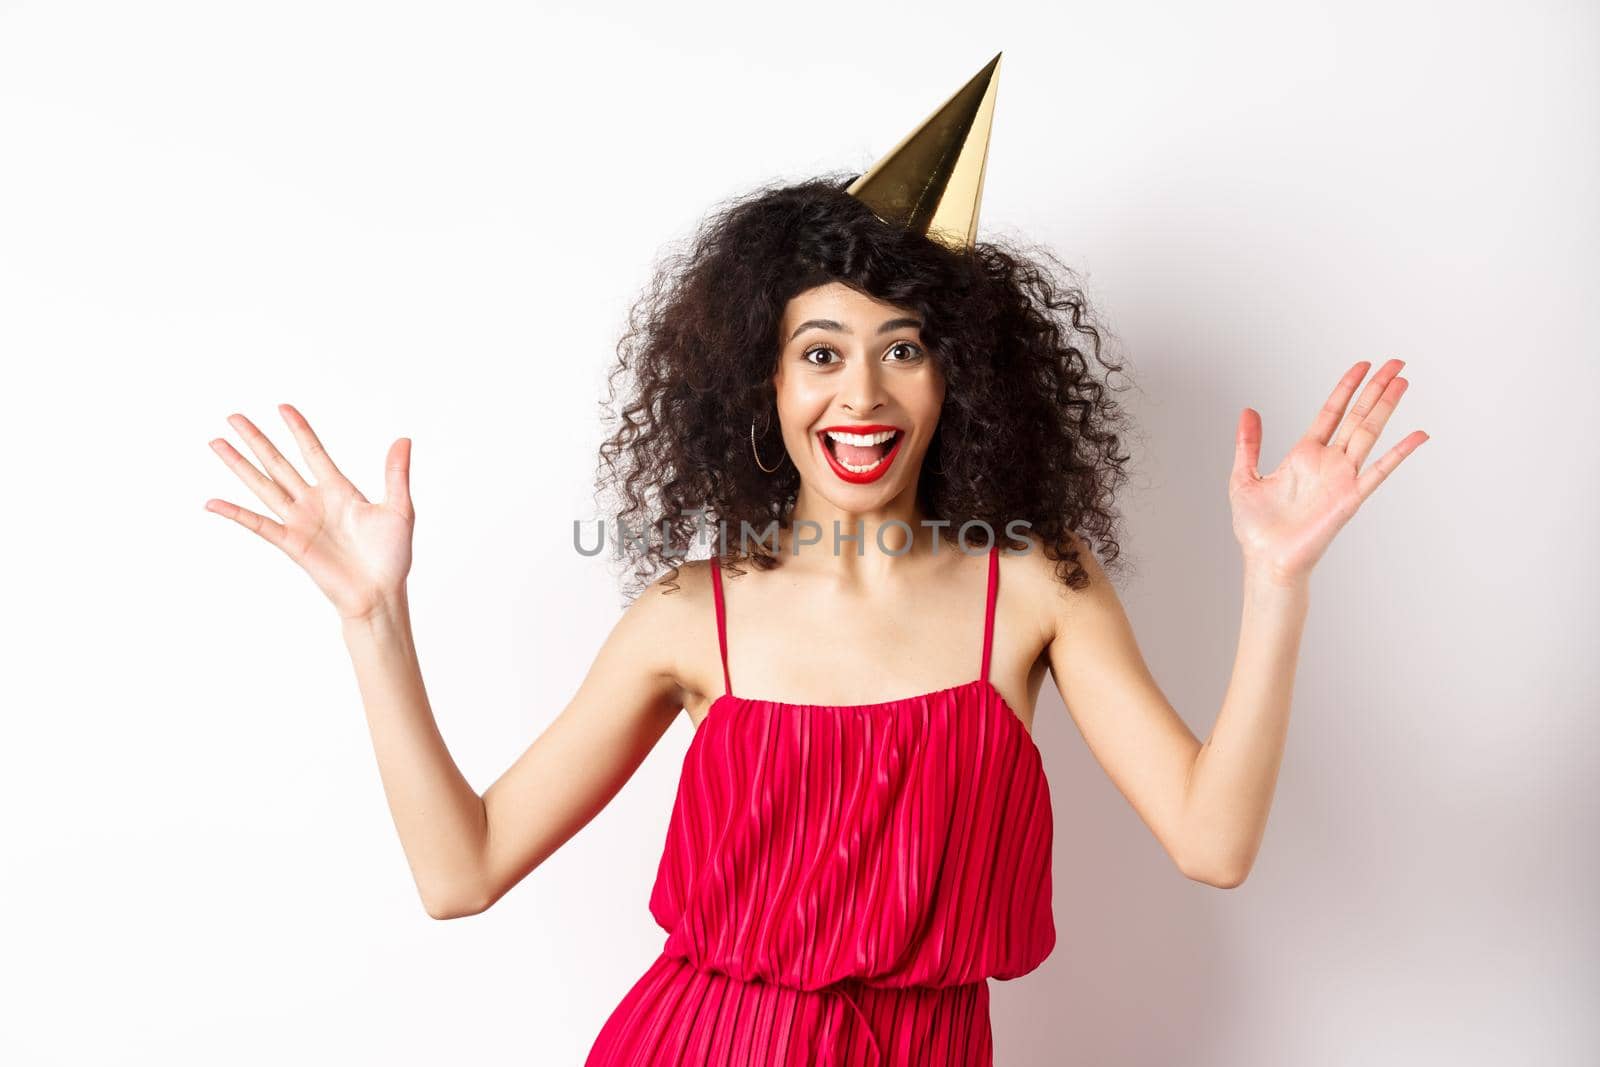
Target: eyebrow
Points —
{"points": [[831, 324]]}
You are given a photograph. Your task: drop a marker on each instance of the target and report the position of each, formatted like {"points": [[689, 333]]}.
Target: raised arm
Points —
{"points": [[570, 772], [1210, 826], [467, 851], [464, 850], [1208, 803], [1131, 729]]}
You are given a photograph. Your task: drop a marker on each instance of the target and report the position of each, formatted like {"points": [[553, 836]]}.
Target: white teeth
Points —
{"points": [[862, 438]]}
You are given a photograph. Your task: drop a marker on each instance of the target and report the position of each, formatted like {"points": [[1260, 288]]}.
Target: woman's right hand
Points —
{"points": [[357, 552]]}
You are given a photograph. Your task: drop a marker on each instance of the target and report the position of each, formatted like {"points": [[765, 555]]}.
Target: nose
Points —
{"points": [[860, 390]]}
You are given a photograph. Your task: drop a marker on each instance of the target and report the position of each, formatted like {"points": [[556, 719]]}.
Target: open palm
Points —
{"points": [[1286, 520], [357, 552]]}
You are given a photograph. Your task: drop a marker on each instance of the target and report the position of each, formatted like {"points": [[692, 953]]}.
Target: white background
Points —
{"points": [[429, 220]]}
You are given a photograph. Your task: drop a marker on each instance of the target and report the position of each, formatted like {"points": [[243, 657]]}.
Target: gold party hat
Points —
{"points": [[932, 181]]}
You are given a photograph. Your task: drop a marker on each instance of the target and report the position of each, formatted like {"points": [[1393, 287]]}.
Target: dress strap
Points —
{"points": [[722, 622], [988, 607]]}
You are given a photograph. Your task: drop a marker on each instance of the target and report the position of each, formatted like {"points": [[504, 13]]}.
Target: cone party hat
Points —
{"points": [[932, 181]]}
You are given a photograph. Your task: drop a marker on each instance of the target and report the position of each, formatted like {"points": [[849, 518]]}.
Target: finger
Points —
{"points": [[1246, 448], [1327, 419], [1369, 399], [279, 468], [269, 531], [1366, 433], [397, 477], [316, 456], [1381, 467], [268, 491]]}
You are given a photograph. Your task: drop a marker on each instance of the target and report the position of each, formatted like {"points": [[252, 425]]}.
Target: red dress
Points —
{"points": [[840, 882]]}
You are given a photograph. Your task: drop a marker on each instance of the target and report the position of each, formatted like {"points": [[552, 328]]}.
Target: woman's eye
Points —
{"points": [[912, 352]]}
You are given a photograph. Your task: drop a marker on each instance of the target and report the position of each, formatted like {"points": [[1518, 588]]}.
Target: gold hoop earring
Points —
{"points": [[756, 454]]}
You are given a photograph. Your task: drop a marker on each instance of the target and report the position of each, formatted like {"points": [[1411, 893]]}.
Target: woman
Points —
{"points": [[904, 442]]}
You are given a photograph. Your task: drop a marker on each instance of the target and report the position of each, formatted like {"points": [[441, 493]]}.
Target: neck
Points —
{"points": [[820, 525]]}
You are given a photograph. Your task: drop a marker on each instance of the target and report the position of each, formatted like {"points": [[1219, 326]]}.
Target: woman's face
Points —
{"points": [[858, 396]]}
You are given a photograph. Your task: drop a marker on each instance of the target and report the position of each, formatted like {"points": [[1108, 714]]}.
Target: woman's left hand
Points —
{"points": [[1286, 520]]}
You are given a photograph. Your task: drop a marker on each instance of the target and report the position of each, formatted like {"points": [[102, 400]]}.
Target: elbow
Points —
{"points": [[457, 905], [1219, 872], [1226, 878], [438, 910], [443, 911]]}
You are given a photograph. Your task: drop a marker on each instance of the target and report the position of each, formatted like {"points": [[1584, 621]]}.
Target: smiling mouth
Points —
{"points": [[861, 456]]}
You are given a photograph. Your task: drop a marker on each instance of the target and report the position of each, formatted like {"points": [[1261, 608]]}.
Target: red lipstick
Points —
{"points": [[878, 470]]}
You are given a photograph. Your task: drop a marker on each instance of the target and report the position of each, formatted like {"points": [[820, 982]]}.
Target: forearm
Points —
{"points": [[439, 816], [1235, 772]]}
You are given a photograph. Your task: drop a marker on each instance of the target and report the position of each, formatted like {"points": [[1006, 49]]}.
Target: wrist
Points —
{"points": [[1265, 576], [385, 608]]}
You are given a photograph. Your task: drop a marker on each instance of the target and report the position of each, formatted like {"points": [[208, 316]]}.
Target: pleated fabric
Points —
{"points": [[839, 883]]}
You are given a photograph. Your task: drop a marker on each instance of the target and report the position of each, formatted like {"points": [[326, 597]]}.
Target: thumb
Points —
{"points": [[397, 477], [1246, 447]]}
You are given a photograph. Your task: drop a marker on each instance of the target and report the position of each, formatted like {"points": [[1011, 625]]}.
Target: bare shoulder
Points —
{"points": [[669, 624], [1032, 578]]}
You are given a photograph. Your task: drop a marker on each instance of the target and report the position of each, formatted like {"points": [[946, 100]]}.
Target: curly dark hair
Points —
{"points": [[1027, 430]]}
